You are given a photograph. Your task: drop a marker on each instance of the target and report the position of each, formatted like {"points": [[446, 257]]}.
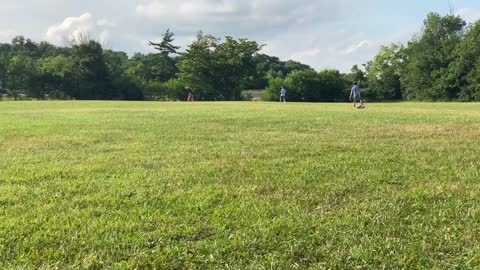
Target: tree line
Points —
{"points": [[442, 62], [210, 68]]}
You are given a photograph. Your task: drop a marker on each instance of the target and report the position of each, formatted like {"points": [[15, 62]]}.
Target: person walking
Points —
{"points": [[283, 95], [356, 96]]}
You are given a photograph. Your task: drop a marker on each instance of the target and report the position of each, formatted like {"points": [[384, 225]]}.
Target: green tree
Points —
{"points": [[196, 67], [21, 75], [59, 75], [124, 86], [291, 66], [234, 64], [385, 72], [308, 86], [428, 57], [464, 72], [275, 82], [331, 87], [175, 90], [5, 55], [303, 85], [215, 70], [358, 75], [270, 65], [212, 69], [95, 81], [163, 66], [166, 46], [116, 63], [137, 70]]}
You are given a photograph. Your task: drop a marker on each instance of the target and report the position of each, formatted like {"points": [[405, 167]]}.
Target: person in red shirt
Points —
{"points": [[190, 97]]}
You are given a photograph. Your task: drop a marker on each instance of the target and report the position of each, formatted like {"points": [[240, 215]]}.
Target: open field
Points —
{"points": [[122, 185]]}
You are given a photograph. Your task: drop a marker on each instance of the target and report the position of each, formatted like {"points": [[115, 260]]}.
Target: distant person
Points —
{"points": [[356, 96], [190, 97], [283, 95]]}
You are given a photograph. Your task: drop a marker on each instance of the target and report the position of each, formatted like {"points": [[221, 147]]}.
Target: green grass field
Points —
{"points": [[120, 185]]}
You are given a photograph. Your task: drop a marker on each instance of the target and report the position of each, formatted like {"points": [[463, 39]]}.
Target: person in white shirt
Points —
{"points": [[283, 95]]}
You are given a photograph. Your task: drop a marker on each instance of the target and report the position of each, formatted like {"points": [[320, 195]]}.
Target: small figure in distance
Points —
{"points": [[190, 97], [356, 96], [283, 94]]}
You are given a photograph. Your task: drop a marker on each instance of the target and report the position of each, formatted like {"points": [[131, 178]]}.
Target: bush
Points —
{"points": [[169, 90], [175, 90], [309, 86], [273, 90], [154, 91]]}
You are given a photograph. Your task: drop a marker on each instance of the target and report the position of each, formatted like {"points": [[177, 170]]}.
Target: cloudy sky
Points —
{"points": [[321, 33]]}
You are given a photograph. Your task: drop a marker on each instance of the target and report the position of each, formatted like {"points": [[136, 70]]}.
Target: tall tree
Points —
{"points": [[218, 70], [428, 57], [166, 46], [358, 74], [234, 64], [464, 72], [385, 72], [59, 76], [271, 66], [196, 67], [21, 75], [95, 82], [163, 65], [5, 55]]}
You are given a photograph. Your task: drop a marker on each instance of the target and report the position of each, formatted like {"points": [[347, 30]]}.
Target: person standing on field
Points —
{"points": [[356, 96], [190, 97], [283, 95]]}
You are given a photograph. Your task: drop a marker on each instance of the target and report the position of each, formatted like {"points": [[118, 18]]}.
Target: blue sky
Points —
{"points": [[398, 14], [321, 33]]}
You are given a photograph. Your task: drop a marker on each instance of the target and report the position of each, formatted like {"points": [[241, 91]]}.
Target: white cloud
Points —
{"points": [[71, 27], [306, 53], [361, 46], [74, 27], [168, 8], [236, 16], [106, 23], [7, 36]]}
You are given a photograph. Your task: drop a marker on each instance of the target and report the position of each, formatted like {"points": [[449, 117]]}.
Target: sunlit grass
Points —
{"points": [[239, 185]]}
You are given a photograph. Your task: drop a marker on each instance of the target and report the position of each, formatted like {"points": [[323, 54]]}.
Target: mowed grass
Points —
{"points": [[118, 185]]}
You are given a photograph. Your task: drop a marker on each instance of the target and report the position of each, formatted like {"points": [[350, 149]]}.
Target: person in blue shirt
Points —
{"points": [[356, 96], [283, 95]]}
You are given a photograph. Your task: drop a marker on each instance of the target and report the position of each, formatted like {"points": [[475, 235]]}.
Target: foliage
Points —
{"points": [[162, 65], [216, 70], [213, 70], [272, 93], [267, 66], [429, 56], [464, 72], [166, 47], [60, 75], [308, 85], [196, 67], [385, 72]]}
